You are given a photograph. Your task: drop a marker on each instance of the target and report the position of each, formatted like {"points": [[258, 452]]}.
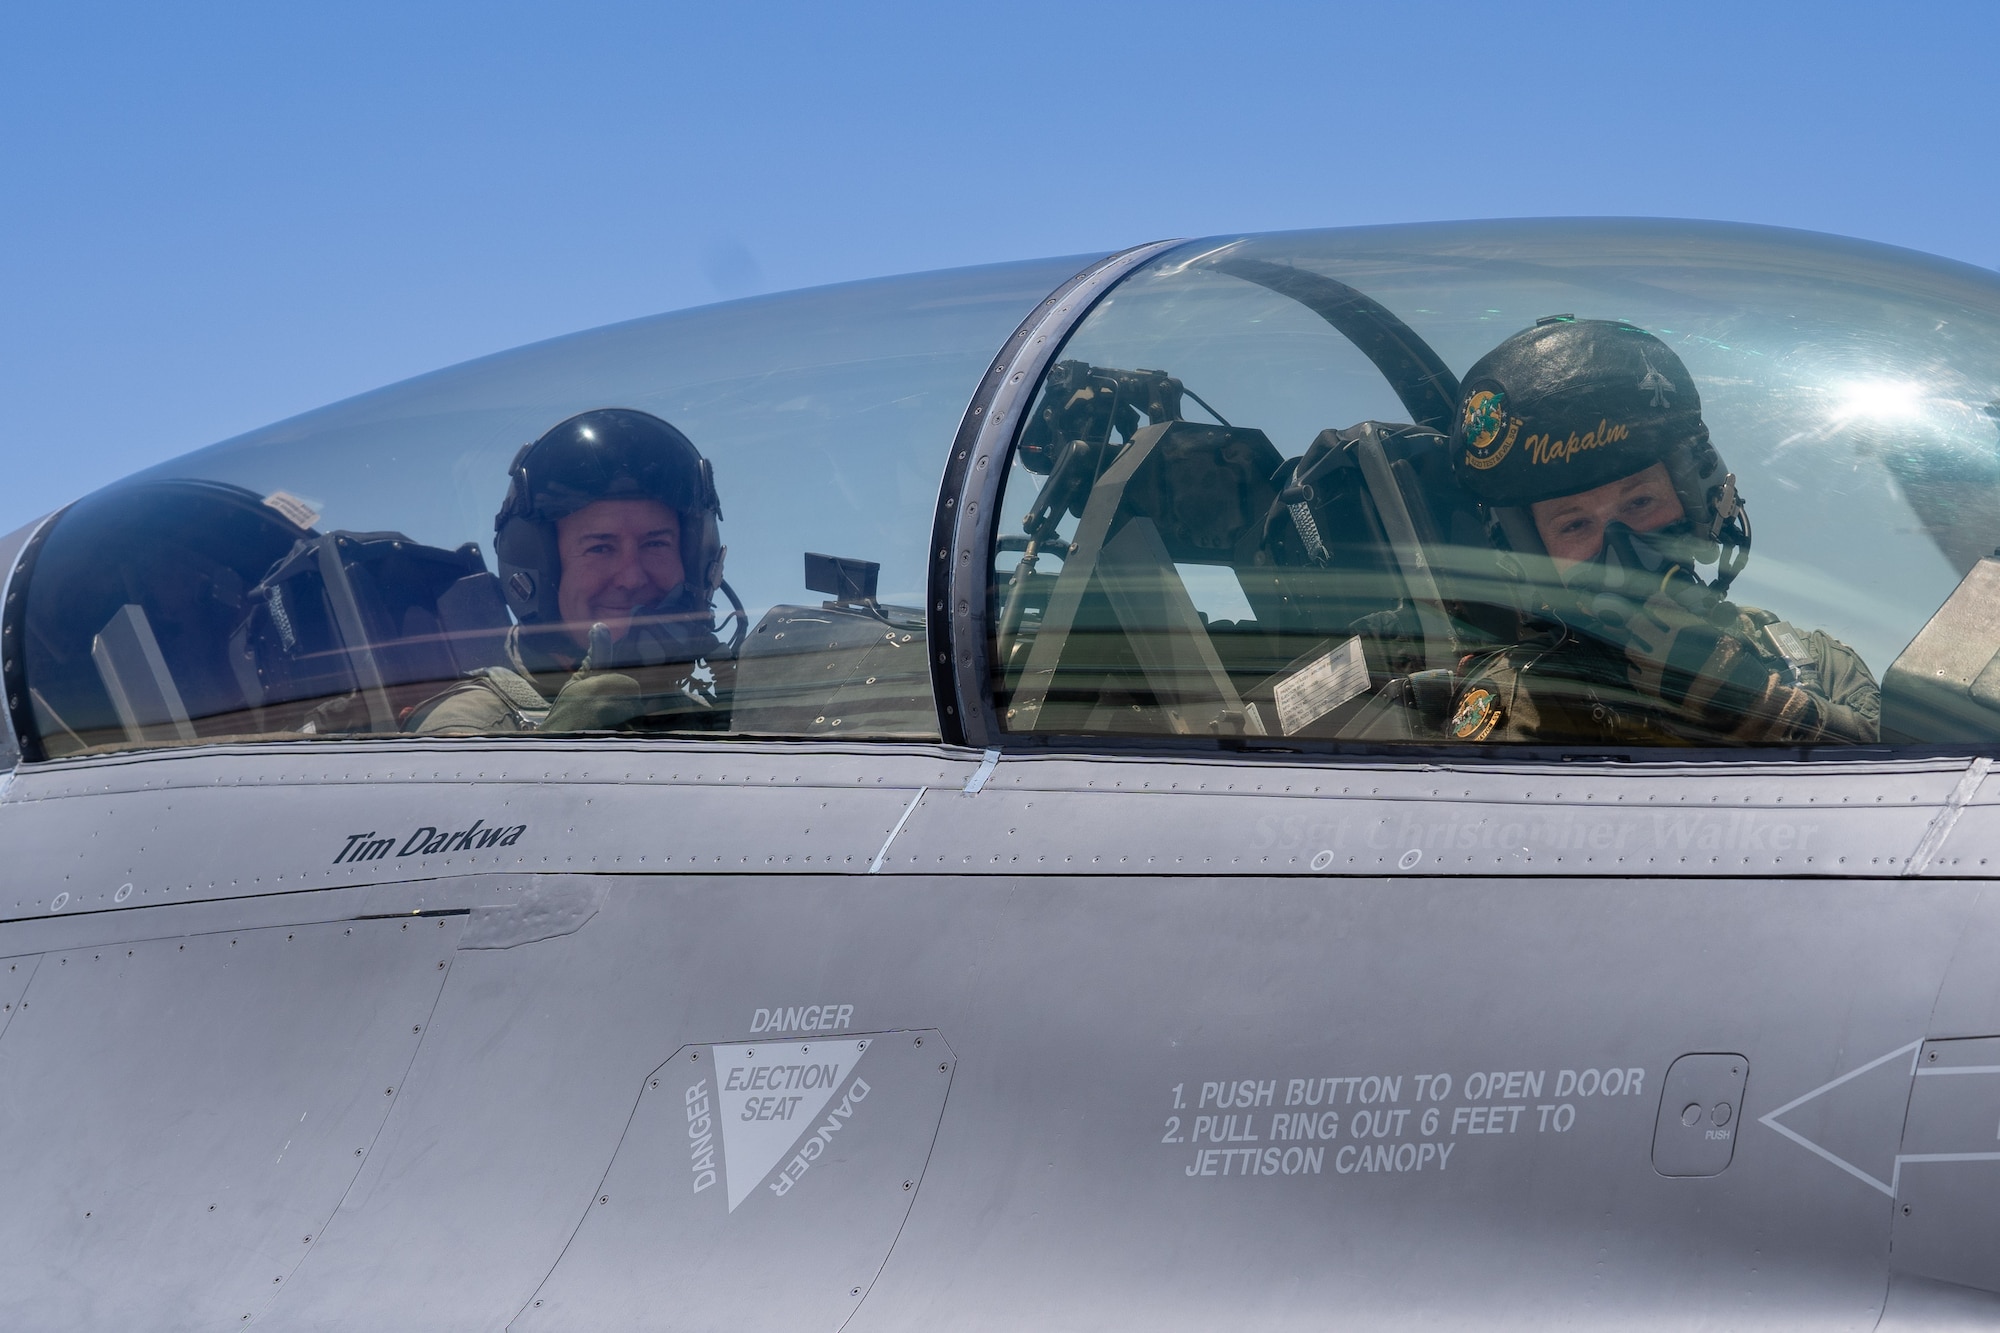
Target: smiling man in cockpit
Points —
{"points": [[1584, 441], [610, 560]]}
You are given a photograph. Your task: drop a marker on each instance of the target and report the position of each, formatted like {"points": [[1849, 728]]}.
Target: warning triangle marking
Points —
{"points": [[768, 1095]]}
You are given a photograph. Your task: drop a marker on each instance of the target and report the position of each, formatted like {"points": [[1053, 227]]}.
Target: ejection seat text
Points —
{"points": [[802, 1018]]}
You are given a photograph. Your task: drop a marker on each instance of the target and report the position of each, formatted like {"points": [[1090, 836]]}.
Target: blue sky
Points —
{"points": [[216, 215]]}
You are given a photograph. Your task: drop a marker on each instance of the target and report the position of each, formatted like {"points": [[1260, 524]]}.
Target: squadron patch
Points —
{"points": [[1482, 422], [1478, 714]]}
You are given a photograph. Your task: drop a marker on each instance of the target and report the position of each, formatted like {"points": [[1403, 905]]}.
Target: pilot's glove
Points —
{"points": [[1707, 674], [594, 700], [598, 701]]}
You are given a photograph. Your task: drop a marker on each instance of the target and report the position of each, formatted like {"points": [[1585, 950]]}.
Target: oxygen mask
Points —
{"points": [[1632, 567]]}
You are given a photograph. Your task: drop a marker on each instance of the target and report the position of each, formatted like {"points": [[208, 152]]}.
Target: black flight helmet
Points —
{"points": [[612, 453], [1571, 404]]}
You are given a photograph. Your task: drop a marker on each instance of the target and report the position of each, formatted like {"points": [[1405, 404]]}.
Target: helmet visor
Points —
{"points": [[613, 454]]}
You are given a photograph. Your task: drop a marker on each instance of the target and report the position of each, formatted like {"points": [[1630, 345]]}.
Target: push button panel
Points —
{"points": [[1695, 1134]]}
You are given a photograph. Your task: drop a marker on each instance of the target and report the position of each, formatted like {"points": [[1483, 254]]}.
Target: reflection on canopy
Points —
{"points": [[1232, 513], [1846, 386], [332, 575]]}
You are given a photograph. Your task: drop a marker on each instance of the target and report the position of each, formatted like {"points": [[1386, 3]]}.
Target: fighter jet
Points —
{"points": [[1249, 782]]}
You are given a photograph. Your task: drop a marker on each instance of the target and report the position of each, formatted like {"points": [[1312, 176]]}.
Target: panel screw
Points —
{"points": [[656, 1083], [1906, 1210], [943, 1067], [388, 1092], [604, 1198], [854, 1291], [906, 1184], [1931, 1056], [920, 1041]]}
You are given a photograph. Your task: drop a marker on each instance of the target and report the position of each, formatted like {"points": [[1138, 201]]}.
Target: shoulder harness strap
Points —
{"points": [[530, 707]]}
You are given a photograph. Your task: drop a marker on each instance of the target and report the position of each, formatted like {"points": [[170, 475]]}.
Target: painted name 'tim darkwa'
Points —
{"points": [[428, 841]]}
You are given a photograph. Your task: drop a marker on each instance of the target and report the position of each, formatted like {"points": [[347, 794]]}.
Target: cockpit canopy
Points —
{"points": [[330, 575], [1231, 511]]}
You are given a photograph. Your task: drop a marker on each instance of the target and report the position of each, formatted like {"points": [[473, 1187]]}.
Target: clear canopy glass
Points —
{"points": [[335, 574], [1214, 544], [1253, 500]]}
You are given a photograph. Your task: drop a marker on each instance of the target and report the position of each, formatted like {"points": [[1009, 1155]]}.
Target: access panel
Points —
{"points": [[761, 1176], [1947, 1176], [181, 1116]]}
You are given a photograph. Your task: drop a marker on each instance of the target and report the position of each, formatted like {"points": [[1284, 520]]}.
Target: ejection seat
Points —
{"points": [[1374, 553], [1352, 558], [351, 629]]}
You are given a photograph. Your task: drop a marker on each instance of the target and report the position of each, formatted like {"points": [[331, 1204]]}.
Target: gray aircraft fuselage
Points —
{"points": [[817, 1033]]}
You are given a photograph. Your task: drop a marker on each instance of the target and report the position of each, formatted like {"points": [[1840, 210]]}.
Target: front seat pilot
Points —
{"points": [[610, 559], [1584, 441]]}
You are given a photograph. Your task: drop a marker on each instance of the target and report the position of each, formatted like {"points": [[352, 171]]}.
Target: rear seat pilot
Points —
{"points": [[610, 558]]}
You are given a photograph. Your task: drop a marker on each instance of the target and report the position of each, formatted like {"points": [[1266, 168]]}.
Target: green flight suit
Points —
{"points": [[1559, 686]]}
